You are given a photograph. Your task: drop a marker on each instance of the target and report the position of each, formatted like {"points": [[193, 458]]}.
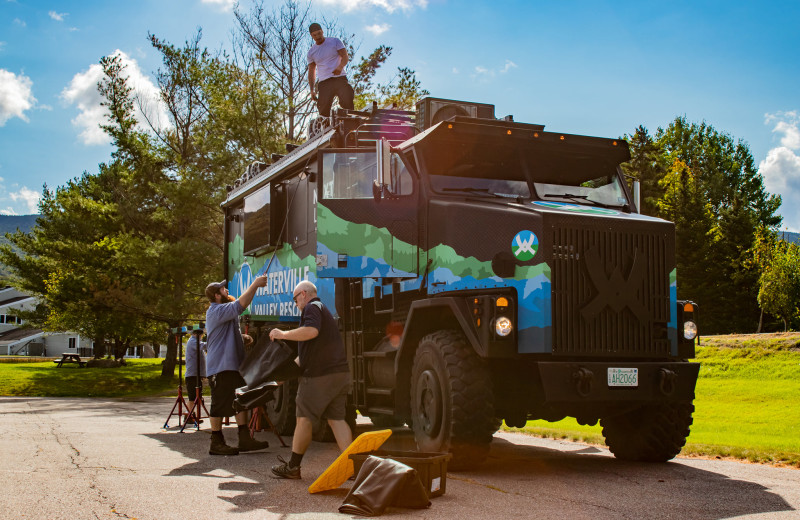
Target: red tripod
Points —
{"points": [[179, 401]]}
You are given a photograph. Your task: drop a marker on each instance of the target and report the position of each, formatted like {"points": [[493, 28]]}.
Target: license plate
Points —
{"points": [[623, 377]]}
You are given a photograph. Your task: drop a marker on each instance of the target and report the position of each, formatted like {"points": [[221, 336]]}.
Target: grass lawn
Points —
{"points": [[747, 402], [139, 377]]}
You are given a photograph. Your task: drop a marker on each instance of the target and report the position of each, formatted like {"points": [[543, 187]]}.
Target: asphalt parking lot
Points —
{"points": [[103, 458]]}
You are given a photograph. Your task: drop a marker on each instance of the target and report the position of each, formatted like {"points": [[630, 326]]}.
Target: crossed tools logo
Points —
{"points": [[525, 245]]}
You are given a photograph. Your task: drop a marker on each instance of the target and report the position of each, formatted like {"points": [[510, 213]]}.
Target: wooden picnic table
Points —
{"points": [[68, 357]]}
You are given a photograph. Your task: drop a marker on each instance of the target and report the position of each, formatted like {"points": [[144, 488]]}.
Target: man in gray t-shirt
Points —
{"points": [[326, 60], [225, 354]]}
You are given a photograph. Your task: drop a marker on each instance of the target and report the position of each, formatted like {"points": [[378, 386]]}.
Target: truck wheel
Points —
{"points": [[281, 410], [451, 400], [652, 433]]}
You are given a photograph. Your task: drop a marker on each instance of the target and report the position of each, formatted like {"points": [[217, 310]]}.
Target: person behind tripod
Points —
{"points": [[195, 372], [225, 354]]}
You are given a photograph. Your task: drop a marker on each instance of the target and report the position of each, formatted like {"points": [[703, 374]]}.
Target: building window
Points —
{"points": [[73, 342], [2, 318]]}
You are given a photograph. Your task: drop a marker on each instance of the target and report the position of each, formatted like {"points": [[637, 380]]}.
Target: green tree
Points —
{"points": [[779, 280], [728, 203], [647, 164]]}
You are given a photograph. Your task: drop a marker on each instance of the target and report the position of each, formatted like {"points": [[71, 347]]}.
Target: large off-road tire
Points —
{"points": [[652, 433], [451, 400], [281, 410]]}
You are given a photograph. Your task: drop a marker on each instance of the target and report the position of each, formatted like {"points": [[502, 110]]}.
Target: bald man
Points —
{"points": [[325, 380]]}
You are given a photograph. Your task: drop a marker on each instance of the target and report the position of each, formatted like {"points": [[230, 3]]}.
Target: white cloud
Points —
{"points": [[455, 70], [59, 17], [16, 96], [377, 29], [225, 4], [509, 65], [24, 201], [82, 92], [19, 22], [781, 168], [28, 197], [486, 74], [389, 5]]}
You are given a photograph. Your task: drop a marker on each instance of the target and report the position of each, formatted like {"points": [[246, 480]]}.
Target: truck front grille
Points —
{"points": [[611, 289]]}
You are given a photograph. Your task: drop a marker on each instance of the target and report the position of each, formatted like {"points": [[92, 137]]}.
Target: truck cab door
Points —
{"points": [[360, 232]]}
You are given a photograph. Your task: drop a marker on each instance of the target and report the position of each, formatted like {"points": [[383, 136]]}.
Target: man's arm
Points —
{"points": [[298, 334], [312, 77], [344, 58], [247, 296]]}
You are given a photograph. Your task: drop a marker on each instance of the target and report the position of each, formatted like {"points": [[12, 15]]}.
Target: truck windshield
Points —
{"points": [[601, 191]]}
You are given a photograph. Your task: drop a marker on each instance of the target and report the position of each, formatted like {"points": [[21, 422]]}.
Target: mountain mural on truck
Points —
{"points": [[368, 248]]}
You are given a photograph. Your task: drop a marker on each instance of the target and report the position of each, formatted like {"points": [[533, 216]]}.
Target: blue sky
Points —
{"points": [[585, 67]]}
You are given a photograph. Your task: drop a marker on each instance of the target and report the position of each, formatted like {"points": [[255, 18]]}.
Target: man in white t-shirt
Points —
{"points": [[326, 60]]}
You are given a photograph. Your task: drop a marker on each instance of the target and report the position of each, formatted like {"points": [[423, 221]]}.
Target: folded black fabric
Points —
{"points": [[249, 398], [382, 483], [269, 361]]}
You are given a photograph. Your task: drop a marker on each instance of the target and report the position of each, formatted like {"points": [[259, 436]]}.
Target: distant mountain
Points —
{"points": [[10, 223], [789, 236]]}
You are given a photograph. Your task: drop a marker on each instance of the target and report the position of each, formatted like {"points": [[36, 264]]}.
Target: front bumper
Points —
{"points": [[586, 382]]}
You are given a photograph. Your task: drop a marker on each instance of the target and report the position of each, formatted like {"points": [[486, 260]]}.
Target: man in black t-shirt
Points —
{"points": [[325, 381]]}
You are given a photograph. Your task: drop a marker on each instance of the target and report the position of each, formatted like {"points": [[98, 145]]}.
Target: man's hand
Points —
{"points": [[261, 281], [337, 71], [276, 334]]}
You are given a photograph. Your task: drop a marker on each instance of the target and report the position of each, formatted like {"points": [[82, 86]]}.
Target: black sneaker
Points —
{"points": [[284, 470], [220, 448], [247, 443]]}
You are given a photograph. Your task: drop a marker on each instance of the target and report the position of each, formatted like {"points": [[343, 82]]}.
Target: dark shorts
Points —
{"points": [[193, 382], [223, 387], [323, 397], [334, 87]]}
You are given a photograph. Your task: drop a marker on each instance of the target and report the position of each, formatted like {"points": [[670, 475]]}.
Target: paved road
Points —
{"points": [[93, 458]]}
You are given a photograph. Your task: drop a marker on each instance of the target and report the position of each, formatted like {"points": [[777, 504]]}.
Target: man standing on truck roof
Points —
{"points": [[325, 380], [327, 58], [225, 354]]}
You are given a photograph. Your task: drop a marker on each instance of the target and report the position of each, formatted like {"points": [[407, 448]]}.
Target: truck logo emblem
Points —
{"points": [[615, 290], [525, 245]]}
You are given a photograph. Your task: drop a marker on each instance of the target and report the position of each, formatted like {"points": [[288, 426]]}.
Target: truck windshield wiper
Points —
{"points": [[485, 191], [586, 198]]}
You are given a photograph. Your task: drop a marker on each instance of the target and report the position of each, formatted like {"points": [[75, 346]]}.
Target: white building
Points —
{"points": [[20, 341]]}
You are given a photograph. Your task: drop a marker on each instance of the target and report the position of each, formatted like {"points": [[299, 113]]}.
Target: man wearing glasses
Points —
{"points": [[325, 380]]}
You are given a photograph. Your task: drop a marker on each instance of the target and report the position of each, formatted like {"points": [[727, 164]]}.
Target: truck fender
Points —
{"points": [[424, 317]]}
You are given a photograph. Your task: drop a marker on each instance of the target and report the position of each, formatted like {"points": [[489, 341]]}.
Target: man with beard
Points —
{"points": [[225, 354]]}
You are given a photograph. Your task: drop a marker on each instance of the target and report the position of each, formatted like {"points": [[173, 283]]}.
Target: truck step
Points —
{"points": [[377, 390], [380, 354], [377, 410]]}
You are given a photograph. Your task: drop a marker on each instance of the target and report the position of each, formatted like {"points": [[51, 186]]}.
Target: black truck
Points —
{"points": [[481, 269]]}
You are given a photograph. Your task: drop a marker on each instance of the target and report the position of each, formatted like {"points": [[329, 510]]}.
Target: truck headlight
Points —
{"points": [[689, 329], [503, 326]]}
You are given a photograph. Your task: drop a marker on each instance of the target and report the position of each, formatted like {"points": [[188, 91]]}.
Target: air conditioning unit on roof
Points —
{"points": [[434, 110]]}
